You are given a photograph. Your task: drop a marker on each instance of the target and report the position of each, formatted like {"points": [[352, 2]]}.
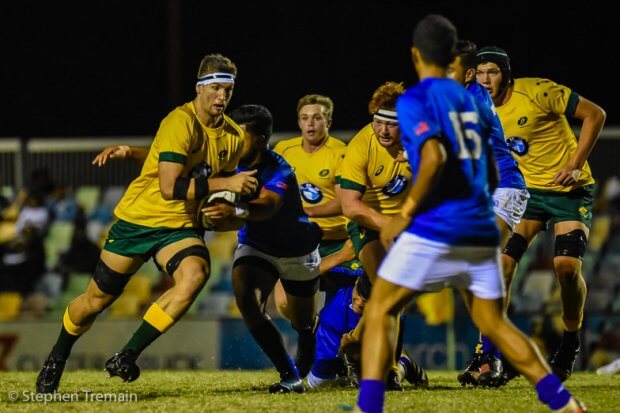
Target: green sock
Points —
{"points": [[142, 338], [64, 344]]}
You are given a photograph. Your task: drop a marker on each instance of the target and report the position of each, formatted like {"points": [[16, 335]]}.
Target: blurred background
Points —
{"points": [[79, 76]]}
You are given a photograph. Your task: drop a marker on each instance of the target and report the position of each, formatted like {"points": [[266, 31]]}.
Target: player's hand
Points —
{"points": [[243, 183], [220, 211], [567, 175], [392, 229], [112, 152], [347, 253], [351, 346]]}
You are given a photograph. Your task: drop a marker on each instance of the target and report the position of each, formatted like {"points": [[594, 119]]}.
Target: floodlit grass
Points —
{"points": [[246, 391]]}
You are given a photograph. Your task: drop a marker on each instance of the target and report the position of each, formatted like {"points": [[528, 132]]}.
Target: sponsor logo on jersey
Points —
{"points": [[222, 155], [522, 121], [379, 170], [310, 193], [395, 186], [324, 173], [518, 145]]}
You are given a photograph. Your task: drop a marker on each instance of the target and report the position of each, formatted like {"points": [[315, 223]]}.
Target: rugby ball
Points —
{"points": [[214, 198]]}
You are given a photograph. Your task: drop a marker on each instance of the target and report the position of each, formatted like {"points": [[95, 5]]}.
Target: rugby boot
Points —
{"points": [[414, 373], [49, 377], [563, 361], [491, 372], [472, 371], [123, 365]]}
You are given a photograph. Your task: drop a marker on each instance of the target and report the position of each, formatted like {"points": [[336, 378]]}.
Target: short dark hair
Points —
{"points": [[257, 119], [466, 50], [363, 286], [435, 37]]}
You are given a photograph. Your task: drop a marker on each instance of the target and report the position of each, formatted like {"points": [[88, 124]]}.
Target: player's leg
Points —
{"points": [[300, 279], [379, 340], [111, 275], [570, 245], [187, 261], [279, 297], [252, 273], [489, 317]]}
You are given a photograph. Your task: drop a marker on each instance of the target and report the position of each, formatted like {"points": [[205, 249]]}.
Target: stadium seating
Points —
{"points": [[88, 197], [57, 241]]}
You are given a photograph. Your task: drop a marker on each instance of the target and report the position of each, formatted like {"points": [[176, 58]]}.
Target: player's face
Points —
{"points": [[357, 303], [388, 133], [490, 76], [456, 71], [250, 148], [214, 97], [313, 123]]}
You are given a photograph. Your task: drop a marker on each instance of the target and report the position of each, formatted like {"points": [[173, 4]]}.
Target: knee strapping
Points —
{"points": [[110, 281], [571, 244], [195, 251], [516, 247]]}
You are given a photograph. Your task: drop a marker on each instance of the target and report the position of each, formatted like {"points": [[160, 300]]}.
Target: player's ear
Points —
{"points": [[198, 91], [415, 55], [470, 75]]}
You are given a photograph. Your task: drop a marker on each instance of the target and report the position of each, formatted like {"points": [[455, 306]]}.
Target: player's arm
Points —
{"points": [[137, 153], [433, 157], [259, 209], [357, 211], [346, 253], [593, 117], [329, 209]]}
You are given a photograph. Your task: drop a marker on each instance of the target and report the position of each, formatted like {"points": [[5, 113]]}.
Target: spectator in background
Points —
{"points": [[22, 259]]}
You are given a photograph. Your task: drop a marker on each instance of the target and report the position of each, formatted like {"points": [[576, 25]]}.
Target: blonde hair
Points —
{"points": [[324, 101], [385, 97], [216, 63]]}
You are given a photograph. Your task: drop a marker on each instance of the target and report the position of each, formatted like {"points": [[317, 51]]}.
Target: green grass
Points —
{"points": [[246, 391]]}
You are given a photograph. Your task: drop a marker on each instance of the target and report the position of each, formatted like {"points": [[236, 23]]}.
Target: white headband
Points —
{"points": [[386, 115], [217, 77]]}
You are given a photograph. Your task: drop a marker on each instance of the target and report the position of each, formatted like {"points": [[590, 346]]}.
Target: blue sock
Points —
{"points": [[487, 345], [372, 394], [551, 392]]}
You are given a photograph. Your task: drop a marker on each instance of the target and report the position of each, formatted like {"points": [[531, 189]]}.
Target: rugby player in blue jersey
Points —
{"points": [[276, 241], [509, 203], [447, 235]]}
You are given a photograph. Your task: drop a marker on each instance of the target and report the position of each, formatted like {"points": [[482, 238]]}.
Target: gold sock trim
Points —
{"points": [[158, 318], [71, 327]]}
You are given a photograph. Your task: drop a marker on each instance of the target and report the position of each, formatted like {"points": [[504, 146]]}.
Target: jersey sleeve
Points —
{"points": [[278, 180], [339, 154], [353, 169], [173, 139], [279, 148], [551, 97]]}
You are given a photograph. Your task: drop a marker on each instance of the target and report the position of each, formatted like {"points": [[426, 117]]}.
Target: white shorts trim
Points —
{"points": [[303, 268], [424, 265], [509, 204]]}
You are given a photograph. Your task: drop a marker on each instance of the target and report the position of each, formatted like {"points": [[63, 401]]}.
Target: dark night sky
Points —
{"points": [[101, 68]]}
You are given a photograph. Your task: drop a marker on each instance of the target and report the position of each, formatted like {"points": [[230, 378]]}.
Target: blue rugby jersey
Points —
{"points": [[335, 319], [459, 210], [289, 233], [509, 174]]}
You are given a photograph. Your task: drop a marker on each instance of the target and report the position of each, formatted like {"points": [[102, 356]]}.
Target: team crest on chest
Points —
{"points": [[310, 193], [395, 186], [324, 173], [522, 121], [222, 155], [379, 170], [518, 145]]}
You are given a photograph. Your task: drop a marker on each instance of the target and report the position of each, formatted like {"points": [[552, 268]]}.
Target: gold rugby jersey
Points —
{"points": [[202, 151], [538, 133]]}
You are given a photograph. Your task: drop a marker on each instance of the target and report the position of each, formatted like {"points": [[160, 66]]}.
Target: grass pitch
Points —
{"points": [[246, 391]]}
